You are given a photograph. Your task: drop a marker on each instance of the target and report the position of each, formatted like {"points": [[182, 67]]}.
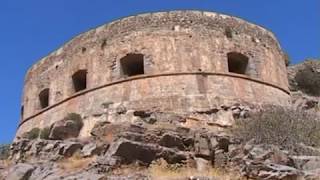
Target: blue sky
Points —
{"points": [[30, 29]]}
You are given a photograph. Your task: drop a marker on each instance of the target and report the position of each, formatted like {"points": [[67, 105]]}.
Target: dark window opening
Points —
{"points": [[79, 80], [44, 98], [132, 64], [237, 63]]}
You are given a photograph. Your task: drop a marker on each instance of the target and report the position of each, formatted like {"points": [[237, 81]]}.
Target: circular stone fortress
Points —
{"points": [[178, 61]]}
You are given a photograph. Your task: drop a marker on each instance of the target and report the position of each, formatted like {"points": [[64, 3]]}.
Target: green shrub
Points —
{"points": [[76, 118], [32, 134], [4, 151], [308, 81], [44, 133], [280, 126]]}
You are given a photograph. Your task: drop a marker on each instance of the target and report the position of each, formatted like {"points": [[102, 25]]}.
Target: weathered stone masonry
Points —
{"points": [[181, 61]]}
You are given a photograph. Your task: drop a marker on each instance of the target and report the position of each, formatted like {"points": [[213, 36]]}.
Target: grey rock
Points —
{"points": [[136, 128], [92, 149], [214, 143], [312, 174], [220, 159], [306, 162], [202, 147], [47, 171], [49, 147], [69, 148], [88, 149], [276, 171], [265, 162], [20, 172], [202, 165], [99, 128]]}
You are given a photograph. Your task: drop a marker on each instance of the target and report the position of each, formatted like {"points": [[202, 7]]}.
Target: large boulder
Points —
{"points": [[67, 149], [129, 151], [65, 129]]}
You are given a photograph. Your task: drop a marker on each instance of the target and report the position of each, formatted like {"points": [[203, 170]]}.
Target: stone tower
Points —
{"points": [[178, 61]]}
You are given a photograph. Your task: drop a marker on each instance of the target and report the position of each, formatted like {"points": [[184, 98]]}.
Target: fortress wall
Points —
{"points": [[171, 43], [179, 93]]}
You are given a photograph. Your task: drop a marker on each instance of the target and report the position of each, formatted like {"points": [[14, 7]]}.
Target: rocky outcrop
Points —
{"points": [[42, 150], [155, 136]]}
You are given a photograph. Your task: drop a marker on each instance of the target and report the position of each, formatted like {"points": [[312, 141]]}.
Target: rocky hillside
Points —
{"points": [[241, 141]]}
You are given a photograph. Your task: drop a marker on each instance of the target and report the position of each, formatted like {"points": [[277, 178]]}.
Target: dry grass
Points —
{"points": [[160, 170], [128, 170], [76, 162], [283, 127]]}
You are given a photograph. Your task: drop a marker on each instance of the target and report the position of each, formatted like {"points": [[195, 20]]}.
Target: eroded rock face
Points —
{"points": [[143, 144]]}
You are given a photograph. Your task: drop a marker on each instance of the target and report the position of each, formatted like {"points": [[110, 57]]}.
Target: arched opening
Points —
{"points": [[79, 80], [44, 98], [132, 64], [237, 63]]}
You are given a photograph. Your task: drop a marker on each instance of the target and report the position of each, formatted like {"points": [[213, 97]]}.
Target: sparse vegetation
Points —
{"points": [[4, 151], [280, 126], [308, 81], [76, 162], [76, 118], [160, 169], [44, 133], [32, 134]]}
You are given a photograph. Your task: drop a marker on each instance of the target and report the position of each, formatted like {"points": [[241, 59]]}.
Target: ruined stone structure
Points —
{"points": [[179, 61]]}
